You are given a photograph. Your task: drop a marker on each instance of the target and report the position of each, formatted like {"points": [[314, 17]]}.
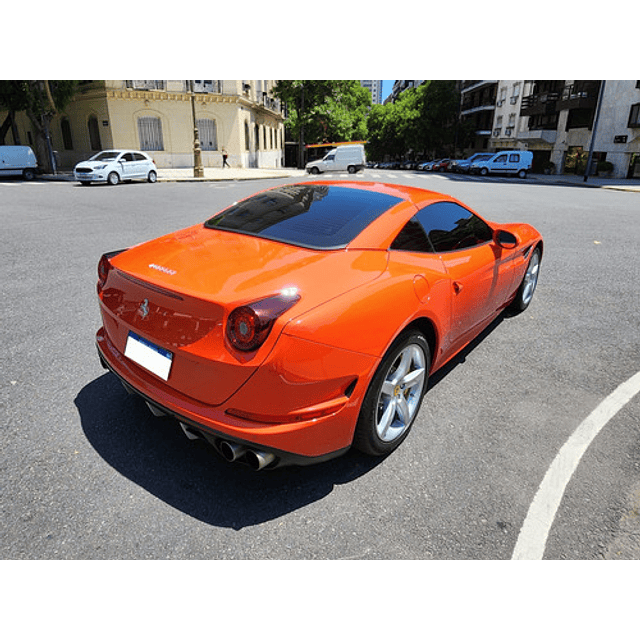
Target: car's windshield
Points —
{"points": [[313, 216], [106, 155]]}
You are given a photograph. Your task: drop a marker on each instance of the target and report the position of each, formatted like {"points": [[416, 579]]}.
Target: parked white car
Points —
{"points": [[115, 165], [505, 162], [349, 157], [18, 161]]}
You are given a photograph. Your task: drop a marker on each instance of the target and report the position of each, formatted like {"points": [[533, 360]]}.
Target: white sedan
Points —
{"points": [[115, 165]]}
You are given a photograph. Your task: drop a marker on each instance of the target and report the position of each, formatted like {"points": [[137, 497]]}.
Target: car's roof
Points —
{"points": [[326, 215]]}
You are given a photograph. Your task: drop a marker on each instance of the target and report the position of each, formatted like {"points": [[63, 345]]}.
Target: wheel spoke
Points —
{"points": [[403, 367], [387, 419], [403, 410], [413, 378], [388, 389]]}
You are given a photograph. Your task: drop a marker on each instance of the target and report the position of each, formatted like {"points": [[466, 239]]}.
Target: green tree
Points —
{"points": [[324, 110], [423, 120], [41, 100]]}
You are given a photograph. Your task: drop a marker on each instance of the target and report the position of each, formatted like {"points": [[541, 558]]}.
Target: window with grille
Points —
{"points": [[146, 85], [94, 134], [208, 134], [66, 134], [150, 133]]}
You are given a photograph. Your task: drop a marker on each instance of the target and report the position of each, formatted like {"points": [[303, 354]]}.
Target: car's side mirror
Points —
{"points": [[505, 239]]}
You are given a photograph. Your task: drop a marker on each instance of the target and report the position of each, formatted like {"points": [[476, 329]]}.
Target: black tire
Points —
{"points": [[113, 178], [152, 177], [528, 285], [28, 174], [351, 169], [315, 171], [374, 435], [522, 173], [484, 171]]}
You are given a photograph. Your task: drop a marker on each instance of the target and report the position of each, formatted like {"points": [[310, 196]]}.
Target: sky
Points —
{"points": [[387, 85]]}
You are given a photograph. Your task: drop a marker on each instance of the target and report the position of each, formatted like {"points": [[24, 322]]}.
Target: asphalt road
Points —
{"points": [[88, 473]]}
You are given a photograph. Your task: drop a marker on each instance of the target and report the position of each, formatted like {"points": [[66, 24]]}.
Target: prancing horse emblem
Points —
{"points": [[144, 308]]}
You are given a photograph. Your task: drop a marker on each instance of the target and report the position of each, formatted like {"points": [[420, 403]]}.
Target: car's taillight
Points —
{"points": [[248, 326], [104, 266]]}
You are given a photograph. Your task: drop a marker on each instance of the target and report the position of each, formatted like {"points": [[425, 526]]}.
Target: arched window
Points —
{"points": [[65, 128], [94, 134], [150, 133], [208, 134]]}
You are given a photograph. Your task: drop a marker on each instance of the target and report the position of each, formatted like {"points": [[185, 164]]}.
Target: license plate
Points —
{"points": [[149, 355]]}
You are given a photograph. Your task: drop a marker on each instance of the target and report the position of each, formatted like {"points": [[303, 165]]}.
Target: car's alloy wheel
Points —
{"points": [[528, 284], [152, 177], [394, 397], [113, 178]]}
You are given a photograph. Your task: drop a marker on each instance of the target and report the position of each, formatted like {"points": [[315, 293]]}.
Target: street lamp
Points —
{"points": [[593, 132], [198, 169]]}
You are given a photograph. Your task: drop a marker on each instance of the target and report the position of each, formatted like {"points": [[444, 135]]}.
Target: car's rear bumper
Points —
{"points": [[305, 439]]}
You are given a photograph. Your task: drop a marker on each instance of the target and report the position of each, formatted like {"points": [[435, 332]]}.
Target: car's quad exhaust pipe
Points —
{"points": [[234, 452]]}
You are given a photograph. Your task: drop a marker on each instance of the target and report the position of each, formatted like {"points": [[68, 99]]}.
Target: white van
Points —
{"points": [[349, 157], [505, 162], [18, 161]]}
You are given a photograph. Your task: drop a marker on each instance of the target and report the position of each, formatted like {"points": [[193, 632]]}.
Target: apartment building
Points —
{"points": [[478, 107], [555, 120], [375, 88], [241, 117]]}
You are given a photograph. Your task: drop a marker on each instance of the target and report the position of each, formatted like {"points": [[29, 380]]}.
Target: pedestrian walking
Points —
{"points": [[225, 155]]}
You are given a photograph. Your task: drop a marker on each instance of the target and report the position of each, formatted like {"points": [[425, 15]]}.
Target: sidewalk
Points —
{"points": [[214, 174], [617, 184]]}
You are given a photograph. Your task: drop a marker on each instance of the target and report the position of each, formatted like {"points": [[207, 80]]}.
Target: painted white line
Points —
{"points": [[532, 540]]}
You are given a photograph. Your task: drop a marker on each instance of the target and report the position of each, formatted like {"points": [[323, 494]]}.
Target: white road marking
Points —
{"points": [[532, 540]]}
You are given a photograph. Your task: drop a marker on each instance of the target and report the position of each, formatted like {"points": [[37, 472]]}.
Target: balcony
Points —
{"points": [[539, 135], [539, 103], [579, 95]]}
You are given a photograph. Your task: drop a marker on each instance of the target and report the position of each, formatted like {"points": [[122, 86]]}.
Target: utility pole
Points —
{"points": [[595, 127], [301, 146], [198, 169]]}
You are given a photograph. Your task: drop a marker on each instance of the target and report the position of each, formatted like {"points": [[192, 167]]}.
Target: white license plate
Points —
{"points": [[149, 356]]}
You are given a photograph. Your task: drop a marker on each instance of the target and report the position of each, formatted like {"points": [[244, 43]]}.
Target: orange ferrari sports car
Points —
{"points": [[306, 319]]}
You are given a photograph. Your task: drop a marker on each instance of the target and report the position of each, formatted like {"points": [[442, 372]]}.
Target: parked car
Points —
{"points": [[116, 165], [349, 157], [322, 330], [428, 166], [441, 165], [463, 166], [505, 162], [16, 160]]}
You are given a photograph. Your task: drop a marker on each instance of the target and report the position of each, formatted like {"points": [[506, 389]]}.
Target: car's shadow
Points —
{"points": [[191, 477]]}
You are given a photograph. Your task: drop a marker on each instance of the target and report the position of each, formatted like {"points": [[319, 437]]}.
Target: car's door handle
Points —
{"points": [[457, 286]]}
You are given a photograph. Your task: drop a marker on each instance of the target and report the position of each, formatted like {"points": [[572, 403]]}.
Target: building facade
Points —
{"points": [[240, 117], [375, 88], [556, 119], [477, 107]]}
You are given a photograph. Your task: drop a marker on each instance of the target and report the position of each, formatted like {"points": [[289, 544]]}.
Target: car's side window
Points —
{"points": [[514, 157], [138, 157], [127, 157], [501, 159], [412, 237], [450, 227]]}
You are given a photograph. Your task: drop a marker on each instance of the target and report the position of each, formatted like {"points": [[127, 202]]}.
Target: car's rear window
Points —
{"points": [[312, 216]]}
